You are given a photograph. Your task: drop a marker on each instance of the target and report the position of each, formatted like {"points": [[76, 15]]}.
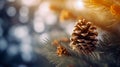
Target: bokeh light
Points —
{"points": [[24, 14], [11, 11], [26, 57], [43, 9], [24, 11], [51, 19], [29, 2], [19, 32], [23, 19], [26, 52], [78, 5], [3, 44], [12, 50], [38, 25]]}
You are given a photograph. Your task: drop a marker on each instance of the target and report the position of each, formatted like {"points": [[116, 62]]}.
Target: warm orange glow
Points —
{"points": [[55, 42], [66, 15], [78, 5], [100, 2], [115, 10], [64, 39], [96, 1], [55, 8]]}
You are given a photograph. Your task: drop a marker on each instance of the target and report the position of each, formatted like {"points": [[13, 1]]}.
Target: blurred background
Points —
{"points": [[23, 24]]}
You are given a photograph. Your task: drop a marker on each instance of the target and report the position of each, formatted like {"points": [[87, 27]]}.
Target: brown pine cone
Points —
{"points": [[84, 37], [62, 51]]}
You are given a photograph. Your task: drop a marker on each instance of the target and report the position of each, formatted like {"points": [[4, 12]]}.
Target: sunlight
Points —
{"points": [[29, 2], [78, 5]]}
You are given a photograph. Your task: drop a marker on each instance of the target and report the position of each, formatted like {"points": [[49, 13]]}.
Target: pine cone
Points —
{"points": [[62, 51], [83, 39]]}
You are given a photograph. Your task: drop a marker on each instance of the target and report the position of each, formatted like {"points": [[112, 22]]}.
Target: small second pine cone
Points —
{"points": [[84, 37], [62, 51]]}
